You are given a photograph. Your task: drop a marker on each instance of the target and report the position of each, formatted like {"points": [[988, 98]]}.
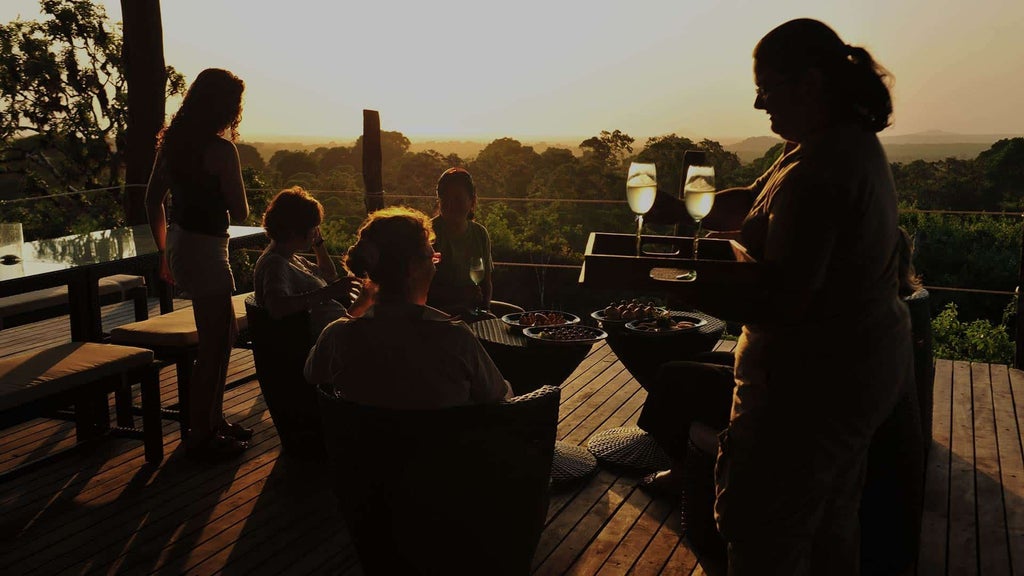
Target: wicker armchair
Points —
{"points": [[279, 350], [460, 490]]}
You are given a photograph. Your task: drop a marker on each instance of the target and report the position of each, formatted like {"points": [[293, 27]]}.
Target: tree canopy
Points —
{"points": [[63, 96]]}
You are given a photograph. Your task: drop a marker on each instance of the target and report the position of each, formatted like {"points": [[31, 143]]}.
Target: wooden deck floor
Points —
{"points": [[101, 511]]}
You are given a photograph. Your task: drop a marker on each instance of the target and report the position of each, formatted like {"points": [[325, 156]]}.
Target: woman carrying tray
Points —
{"points": [[825, 350]]}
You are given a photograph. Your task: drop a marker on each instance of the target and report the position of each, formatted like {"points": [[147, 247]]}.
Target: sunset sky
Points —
{"points": [[461, 69]]}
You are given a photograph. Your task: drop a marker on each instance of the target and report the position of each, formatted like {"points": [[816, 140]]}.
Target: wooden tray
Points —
{"points": [[725, 272]]}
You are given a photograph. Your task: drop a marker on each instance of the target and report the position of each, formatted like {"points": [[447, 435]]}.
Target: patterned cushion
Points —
{"points": [[33, 375], [174, 329], [628, 447]]}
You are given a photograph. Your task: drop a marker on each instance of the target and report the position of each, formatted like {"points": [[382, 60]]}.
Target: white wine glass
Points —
{"points": [[641, 188], [699, 196], [477, 274]]}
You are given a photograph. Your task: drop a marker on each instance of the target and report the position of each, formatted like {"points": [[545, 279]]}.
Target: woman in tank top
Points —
{"points": [[197, 165]]}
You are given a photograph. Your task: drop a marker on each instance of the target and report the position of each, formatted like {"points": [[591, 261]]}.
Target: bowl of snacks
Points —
{"points": [[619, 313], [666, 324], [518, 321], [567, 334]]}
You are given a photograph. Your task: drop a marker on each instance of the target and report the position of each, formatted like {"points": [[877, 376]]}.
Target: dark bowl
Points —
{"points": [[512, 321], [614, 322], [651, 327], [565, 334]]}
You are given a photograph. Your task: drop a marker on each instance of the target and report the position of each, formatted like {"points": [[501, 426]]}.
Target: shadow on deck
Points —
{"points": [[102, 510]]}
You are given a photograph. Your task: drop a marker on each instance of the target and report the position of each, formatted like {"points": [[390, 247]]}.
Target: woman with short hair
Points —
{"points": [[286, 282]]}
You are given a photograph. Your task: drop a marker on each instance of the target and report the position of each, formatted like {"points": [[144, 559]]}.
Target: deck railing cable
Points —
{"points": [[1019, 358]]}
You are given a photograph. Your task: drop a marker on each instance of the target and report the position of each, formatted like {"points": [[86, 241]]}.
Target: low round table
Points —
{"points": [[643, 354], [630, 447], [528, 364]]}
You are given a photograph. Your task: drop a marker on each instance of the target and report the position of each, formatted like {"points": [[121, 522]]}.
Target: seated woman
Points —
{"points": [[464, 245], [285, 282], [406, 355]]}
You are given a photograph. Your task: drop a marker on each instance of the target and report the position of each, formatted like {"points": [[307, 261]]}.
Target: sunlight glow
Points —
{"points": [[536, 68]]}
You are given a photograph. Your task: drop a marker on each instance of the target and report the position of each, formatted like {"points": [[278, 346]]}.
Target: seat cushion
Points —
{"points": [[121, 282], [34, 375], [174, 329], [58, 295]]}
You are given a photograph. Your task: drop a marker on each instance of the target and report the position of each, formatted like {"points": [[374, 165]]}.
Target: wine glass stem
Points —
{"points": [[639, 228], [696, 236]]}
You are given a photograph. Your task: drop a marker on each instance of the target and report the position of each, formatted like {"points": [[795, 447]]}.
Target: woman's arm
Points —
{"points": [[487, 286], [156, 193], [280, 304], [324, 263], [222, 160]]}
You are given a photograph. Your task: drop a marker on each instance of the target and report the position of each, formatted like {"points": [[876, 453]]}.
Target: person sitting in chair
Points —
{"points": [[286, 282], [406, 355], [463, 286]]}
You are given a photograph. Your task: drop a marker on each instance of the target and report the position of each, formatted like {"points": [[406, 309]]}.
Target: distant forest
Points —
{"points": [[63, 124]]}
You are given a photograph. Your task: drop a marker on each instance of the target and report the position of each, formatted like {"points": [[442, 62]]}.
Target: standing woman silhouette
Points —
{"points": [[197, 164]]}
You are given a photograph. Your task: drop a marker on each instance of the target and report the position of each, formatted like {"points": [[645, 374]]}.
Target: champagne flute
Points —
{"points": [[699, 196], [641, 188], [476, 274]]}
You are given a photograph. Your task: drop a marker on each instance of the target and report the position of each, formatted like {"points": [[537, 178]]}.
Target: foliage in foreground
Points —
{"points": [[975, 340]]}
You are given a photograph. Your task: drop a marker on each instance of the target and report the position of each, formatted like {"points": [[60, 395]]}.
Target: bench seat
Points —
{"points": [[173, 338], [34, 384], [174, 330], [51, 302]]}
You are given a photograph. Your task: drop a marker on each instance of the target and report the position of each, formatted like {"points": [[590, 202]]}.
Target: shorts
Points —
{"points": [[199, 263]]}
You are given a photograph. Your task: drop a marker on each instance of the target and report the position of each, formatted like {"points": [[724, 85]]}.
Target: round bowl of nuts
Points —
{"points": [[667, 324], [518, 321], [573, 334], [619, 313]]}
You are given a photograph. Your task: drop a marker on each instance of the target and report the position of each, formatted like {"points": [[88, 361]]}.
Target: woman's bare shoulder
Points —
{"points": [[221, 154]]}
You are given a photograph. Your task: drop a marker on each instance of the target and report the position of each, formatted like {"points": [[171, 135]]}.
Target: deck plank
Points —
{"points": [[578, 539], [935, 519], [1011, 463], [101, 511], [963, 542], [611, 534], [633, 544], [993, 556], [660, 548]]}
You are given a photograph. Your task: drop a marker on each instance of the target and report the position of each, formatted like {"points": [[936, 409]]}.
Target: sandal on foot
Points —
{"points": [[661, 483], [215, 449], [236, 431]]}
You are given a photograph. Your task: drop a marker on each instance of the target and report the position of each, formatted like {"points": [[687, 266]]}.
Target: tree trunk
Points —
{"points": [[146, 75], [373, 177]]}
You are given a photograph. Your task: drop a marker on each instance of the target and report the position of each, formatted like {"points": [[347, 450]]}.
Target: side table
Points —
{"points": [[629, 447]]}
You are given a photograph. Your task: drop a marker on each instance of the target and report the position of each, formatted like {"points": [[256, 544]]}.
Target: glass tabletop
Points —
{"points": [[93, 248]]}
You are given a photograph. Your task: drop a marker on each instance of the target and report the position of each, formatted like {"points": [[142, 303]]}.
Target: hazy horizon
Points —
{"points": [[449, 70]]}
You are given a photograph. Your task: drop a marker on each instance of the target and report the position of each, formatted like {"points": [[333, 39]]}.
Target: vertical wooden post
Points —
{"points": [[373, 178], [1018, 359], [146, 75]]}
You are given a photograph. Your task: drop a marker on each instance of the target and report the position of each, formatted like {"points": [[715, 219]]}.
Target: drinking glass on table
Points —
{"points": [[641, 188], [699, 196], [476, 274]]}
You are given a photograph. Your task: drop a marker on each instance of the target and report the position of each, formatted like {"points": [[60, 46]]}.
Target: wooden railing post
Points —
{"points": [[373, 178], [1018, 358]]}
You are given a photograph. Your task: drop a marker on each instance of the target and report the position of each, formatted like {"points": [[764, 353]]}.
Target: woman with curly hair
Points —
{"points": [[407, 355], [286, 282], [197, 165]]}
